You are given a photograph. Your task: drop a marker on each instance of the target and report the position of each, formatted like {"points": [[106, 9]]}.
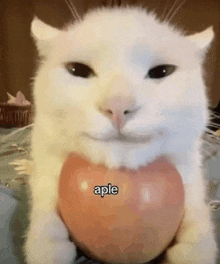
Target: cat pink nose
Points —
{"points": [[117, 109]]}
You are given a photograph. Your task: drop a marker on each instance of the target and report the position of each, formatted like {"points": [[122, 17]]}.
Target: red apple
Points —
{"points": [[133, 226]]}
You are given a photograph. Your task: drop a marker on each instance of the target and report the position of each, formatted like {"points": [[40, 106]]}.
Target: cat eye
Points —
{"points": [[161, 71], [79, 69]]}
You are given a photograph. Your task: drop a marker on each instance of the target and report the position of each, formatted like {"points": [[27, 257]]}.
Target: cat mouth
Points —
{"points": [[122, 138]]}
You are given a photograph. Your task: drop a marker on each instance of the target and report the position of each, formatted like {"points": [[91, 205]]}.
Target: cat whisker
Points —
{"points": [[211, 133], [207, 138], [209, 130], [211, 140], [207, 152], [208, 156], [164, 11], [73, 10], [209, 143], [214, 124], [214, 115], [213, 148], [177, 9], [171, 9]]}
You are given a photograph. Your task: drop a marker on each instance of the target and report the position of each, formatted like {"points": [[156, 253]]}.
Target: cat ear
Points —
{"points": [[42, 31], [43, 35], [203, 39]]}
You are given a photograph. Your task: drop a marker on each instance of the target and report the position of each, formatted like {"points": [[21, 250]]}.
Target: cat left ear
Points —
{"points": [[203, 39], [41, 31], [43, 35]]}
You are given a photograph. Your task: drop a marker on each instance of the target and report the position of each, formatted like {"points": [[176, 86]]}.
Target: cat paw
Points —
{"points": [[184, 253], [50, 252], [24, 166], [48, 242]]}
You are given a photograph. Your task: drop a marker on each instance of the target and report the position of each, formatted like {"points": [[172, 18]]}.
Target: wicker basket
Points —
{"points": [[15, 116]]}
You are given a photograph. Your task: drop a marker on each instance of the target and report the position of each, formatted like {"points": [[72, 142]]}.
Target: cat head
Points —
{"points": [[121, 70]]}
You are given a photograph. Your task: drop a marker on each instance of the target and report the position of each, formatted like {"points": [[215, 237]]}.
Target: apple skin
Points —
{"points": [[133, 226]]}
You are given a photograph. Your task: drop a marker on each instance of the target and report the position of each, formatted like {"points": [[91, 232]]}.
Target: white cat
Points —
{"points": [[122, 88]]}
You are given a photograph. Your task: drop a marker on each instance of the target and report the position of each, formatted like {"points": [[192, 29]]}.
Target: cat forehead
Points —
{"points": [[117, 31], [123, 24]]}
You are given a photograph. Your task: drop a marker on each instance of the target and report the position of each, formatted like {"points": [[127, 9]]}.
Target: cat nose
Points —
{"points": [[118, 109]]}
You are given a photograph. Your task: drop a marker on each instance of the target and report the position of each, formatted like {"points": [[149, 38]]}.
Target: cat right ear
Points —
{"points": [[203, 39], [43, 34]]}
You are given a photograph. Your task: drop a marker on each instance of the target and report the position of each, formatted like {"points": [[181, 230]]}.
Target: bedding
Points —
{"points": [[14, 206]]}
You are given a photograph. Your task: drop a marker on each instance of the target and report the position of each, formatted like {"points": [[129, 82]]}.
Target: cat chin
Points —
{"points": [[116, 154]]}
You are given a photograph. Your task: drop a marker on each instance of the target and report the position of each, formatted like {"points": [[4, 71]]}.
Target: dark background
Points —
{"points": [[18, 54]]}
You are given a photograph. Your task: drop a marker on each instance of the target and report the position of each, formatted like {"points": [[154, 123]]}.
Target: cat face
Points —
{"points": [[120, 86]]}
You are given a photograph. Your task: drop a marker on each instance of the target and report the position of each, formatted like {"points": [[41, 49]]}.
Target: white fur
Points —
{"points": [[120, 45]]}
